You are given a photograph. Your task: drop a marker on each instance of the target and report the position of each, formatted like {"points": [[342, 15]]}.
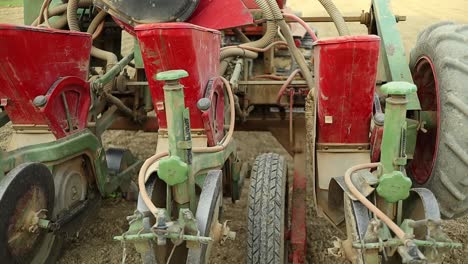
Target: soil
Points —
{"points": [[94, 244]]}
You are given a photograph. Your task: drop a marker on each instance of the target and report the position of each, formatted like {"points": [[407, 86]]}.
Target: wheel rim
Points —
{"points": [[425, 154]]}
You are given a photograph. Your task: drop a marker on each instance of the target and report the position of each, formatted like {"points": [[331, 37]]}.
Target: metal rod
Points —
{"points": [[137, 83], [295, 82], [325, 19], [149, 236], [114, 71], [346, 18], [67, 112], [398, 242]]}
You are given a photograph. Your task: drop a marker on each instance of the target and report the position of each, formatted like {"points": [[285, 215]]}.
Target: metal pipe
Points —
{"points": [[150, 236], [120, 105], [353, 19], [397, 242], [285, 85], [242, 37], [112, 72], [236, 73]]}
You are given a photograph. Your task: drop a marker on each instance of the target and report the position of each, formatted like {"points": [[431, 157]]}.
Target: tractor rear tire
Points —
{"points": [[439, 64], [267, 219]]}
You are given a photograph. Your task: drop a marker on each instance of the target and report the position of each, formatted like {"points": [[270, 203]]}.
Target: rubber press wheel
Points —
{"points": [[439, 64], [267, 221]]}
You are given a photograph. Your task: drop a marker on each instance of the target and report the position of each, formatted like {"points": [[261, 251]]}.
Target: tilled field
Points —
{"points": [[94, 244]]}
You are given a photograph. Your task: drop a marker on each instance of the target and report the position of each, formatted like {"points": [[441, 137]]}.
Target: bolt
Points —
{"points": [[204, 104], [379, 119], [40, 101], [74, 193]]}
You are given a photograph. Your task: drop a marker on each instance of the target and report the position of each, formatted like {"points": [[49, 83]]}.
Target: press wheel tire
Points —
{"points": [[267, 210], [439, 64]]}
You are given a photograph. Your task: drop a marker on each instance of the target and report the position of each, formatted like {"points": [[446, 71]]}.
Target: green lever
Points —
{"points": [[398, 88], [171, 75]]}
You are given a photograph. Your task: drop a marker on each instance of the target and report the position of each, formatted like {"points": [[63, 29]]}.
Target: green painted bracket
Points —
{"points": [[33, 7], [83, 142], [173, 170], [394, 55], [137, 54], [394, 186]]}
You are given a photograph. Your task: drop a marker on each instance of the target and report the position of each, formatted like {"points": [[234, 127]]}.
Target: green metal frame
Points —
{"points": [[32, 8], [80, 143], [394, 56]]}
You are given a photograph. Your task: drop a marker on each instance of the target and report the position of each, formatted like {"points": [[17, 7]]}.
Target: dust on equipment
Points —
{"points": [[379, 142]]}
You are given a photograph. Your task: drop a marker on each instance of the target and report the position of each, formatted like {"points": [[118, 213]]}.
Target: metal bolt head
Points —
{"points": [[40, 101], [379, 119], [171, 75], [204, 104]]}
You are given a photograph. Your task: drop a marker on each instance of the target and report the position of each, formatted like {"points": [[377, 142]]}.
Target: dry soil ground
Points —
{"points": [[93, 244]]}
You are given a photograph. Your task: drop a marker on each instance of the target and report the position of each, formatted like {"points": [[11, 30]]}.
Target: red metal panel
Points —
{"points": [[172, 46], [213, 119], [252, 5], [67, 107], [298, 218], [32, 60], [345, 69], [221, 14]]}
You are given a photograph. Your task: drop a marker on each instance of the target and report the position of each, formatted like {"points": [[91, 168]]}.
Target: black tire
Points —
{"points": [[267, 210], [445, 45]]}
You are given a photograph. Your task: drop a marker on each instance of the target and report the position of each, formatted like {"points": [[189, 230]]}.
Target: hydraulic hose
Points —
{"points": [[337, 17], [379, 214], [96, 21], [72, 16], [270, 34], [110, 58], [236, 51], [227, 139], [270, 26], [141, 182], [60, 9], [296, 53], [303, 24], [285, 85], [59, 23], [259, 49]]}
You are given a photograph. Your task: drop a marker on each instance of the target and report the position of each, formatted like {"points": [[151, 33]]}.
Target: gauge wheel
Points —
{"points": [[267, 213], [439, 65]]}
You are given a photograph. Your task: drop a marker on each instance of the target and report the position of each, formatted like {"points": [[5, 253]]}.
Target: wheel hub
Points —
{"points": [[425, 153], [22, 230], [26, 195]]}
